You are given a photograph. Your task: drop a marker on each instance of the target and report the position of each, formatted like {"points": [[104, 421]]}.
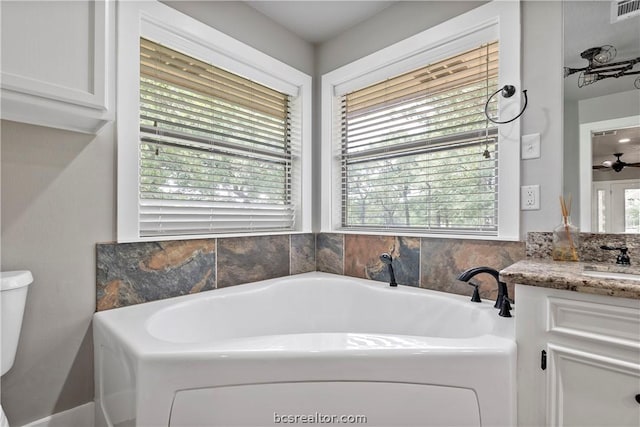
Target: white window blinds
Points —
{"points": [[215, 149], [417, 152]]}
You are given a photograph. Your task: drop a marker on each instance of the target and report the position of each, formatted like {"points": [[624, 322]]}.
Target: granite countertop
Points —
{"points": [[570, 276]]}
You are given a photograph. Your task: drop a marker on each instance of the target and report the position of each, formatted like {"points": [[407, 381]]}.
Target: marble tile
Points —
{"points": [[133, 273], [249, 259], [443, 260], [329, 253], [362, 257], [303, 253]]}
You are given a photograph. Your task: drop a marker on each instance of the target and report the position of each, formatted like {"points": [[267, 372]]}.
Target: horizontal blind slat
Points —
{"points": [[215, 149], [174, 95], [151, 49], [414, 149]]}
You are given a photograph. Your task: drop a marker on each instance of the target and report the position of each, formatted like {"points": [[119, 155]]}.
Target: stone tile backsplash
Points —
{"points": [[429, 263], [133, 273], [362, 258], [539, 246], [249, 259]]}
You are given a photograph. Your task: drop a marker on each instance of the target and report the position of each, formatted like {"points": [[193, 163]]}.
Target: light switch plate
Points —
{"points": [[530, 146]]}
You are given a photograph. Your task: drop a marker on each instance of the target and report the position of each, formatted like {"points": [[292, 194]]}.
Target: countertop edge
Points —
{"points": [[567, 276]]}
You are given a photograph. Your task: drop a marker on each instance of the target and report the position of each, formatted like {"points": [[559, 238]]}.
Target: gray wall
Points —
{"points": [[58, 188], [391, 25], [614, 106], [571, 155], [541, 38], [542, 77], [58, 201], [246, 24], [58, 192]]}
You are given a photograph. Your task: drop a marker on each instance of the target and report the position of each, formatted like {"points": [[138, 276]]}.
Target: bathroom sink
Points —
{"points": [[612, 272]]}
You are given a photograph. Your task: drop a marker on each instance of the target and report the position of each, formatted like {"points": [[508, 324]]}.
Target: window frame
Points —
{"points": [[497, 20], [178, 31]]}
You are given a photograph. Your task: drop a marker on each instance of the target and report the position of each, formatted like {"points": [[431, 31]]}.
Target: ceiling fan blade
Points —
{"points": [[599, 167], [633, 165]]}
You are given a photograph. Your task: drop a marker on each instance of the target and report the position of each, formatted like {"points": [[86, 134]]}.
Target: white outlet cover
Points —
{"points": [[530, 197], [530, 146]]}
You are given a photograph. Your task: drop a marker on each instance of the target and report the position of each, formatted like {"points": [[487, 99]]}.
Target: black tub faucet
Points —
{"points": [[502, 302], [386, 259]]}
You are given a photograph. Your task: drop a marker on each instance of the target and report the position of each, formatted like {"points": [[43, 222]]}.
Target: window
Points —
{"points": [[215, 149], [407, 146], [417, 150], [209, 143]]}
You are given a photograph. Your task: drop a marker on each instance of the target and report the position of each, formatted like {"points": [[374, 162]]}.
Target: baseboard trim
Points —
{"points": [[80, 416]]}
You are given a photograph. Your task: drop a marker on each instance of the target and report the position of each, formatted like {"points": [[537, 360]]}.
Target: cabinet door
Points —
{"points": [[588, 389], [58, 63]]}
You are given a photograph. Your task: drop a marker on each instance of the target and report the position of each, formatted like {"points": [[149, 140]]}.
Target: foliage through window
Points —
{"points": [[417, 152], [215, 149]]}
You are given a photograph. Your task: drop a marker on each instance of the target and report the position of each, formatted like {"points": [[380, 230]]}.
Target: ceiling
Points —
{"points": [[318, 21], [588, 24], [605, 145]]}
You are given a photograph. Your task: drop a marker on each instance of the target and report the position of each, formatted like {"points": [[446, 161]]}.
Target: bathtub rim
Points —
{"points": [[127, 325]]}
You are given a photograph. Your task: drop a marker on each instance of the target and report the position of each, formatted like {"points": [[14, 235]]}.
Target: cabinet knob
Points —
{"points": [[638, 398]]}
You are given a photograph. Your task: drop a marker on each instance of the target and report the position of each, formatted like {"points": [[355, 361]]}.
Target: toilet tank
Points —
{"points": [[14, 285]]}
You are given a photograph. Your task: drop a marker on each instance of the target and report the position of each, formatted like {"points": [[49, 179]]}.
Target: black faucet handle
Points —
{"points": [[505, 309], [476, 293], [387, 259], [623, 257]]}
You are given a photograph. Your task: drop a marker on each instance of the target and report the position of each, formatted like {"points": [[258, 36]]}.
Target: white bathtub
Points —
{"points": [[304, 348]]}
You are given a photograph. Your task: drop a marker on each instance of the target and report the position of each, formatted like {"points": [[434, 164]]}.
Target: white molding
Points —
{"points": [[596, 322], [502, 18], [555, 390], [585, 161], [80, 416], [46, 103], [174, 29]]}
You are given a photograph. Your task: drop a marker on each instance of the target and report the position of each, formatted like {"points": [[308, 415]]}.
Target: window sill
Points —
{"points": [[425, 235], [210, 236]]}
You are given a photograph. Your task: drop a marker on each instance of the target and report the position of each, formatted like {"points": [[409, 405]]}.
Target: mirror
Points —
{"points": [[602, 116]]}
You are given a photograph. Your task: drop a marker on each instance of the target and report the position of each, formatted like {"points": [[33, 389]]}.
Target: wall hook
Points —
{"points": [[506, 91]]}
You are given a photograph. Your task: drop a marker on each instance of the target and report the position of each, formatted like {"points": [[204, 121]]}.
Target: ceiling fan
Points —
{"points": [[618, 165]]}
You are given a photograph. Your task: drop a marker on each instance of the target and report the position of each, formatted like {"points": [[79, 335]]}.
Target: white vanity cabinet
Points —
{"points": [[578, 358], [57, 63]]}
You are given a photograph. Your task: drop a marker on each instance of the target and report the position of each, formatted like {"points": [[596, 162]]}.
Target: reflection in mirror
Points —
{"points": [[615, 196], [596, 109]]}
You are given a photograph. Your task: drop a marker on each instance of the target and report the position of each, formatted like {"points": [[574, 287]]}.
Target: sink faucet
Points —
{"points": [[623, 257], [502, 302], [386, 259]]}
